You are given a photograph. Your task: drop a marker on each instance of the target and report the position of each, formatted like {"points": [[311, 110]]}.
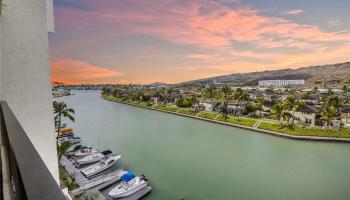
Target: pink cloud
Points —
{"points": [[72, 71], [293, 12]]}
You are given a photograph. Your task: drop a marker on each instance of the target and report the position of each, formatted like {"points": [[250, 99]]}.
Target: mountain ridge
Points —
{"points": [[313, 75]]}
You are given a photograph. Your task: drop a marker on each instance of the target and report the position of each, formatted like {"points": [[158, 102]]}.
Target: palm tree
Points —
{"points": [[279, 112], [244, 97], [227, 92], [61, 111], [115, 92], [292, 104], [63, 148], [238, 93], [210, 93], [328, 114], [259, 104], [334, 100]]}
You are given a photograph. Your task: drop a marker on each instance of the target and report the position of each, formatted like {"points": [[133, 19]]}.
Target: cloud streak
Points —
{"points": [[72, 71], [293, 12]]}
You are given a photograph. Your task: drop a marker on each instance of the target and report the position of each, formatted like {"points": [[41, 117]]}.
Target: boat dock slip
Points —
{"points": [[99, 183], [136, 196], [73, 171]]}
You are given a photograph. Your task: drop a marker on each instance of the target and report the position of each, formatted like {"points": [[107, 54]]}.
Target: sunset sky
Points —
{"points": [[144, 41]]}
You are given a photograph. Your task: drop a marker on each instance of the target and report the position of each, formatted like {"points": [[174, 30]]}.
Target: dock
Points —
{"points": [[101, 184]]}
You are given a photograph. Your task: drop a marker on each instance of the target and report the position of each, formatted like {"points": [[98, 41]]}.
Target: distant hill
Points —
{"points": [[334, 73]]}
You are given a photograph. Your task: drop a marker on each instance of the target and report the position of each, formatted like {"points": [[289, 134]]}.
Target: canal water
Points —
{"points": [[195, 160]]}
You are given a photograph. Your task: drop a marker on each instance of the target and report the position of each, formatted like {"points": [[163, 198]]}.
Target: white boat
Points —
{"points": [[100, 166], [94, 157], [70, 139], [130, 185], [85, 151]]}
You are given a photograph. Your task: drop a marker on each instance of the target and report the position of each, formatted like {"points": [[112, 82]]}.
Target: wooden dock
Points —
{"points": [[101, 184]]}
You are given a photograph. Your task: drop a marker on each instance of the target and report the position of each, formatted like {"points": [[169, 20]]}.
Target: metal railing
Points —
{"points": [[29, 176]]}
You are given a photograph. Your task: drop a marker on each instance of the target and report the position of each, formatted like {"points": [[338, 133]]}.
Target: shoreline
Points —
{"points": [[273, 133]]}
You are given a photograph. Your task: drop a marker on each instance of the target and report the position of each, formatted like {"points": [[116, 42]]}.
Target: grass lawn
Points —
{"points": [[147, 104], [240, 121], [187, 111], [300, 131], [166, 108], [208, 115]]}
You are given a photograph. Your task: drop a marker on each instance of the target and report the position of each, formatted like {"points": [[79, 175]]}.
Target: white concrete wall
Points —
{"points": [[50, 16], [25, 73]]}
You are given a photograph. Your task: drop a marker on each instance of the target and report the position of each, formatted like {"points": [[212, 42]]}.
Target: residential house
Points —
{"points": [[208, 106], [308, 115], [235, 108], [313, 99], [266, 108]]}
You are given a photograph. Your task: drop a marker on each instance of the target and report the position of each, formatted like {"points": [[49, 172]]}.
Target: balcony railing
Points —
{"points": [[22, 167]]}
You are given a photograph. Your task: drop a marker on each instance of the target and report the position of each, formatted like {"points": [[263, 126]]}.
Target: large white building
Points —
{"points": [[281, 83]]}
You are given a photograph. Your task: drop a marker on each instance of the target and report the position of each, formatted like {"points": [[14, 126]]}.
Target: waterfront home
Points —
{"points": [[235, 108], [308, 115], [157, 100], [266, 108], [208, 106], [345, 116], [197, 107]]}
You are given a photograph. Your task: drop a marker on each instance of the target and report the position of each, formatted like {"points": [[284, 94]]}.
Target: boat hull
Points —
{"points": [[119, 194]]}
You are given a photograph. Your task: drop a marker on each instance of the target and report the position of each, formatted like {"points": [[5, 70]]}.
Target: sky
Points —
{"points": [[171, 41]]}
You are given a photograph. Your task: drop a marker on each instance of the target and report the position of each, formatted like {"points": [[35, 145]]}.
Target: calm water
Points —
{"points": [[192, 159]]}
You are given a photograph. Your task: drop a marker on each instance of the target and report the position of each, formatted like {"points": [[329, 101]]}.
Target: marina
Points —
{"points": [[95, 175]]}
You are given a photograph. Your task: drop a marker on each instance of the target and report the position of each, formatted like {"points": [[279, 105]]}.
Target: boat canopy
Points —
{"points": [[128, 176]]}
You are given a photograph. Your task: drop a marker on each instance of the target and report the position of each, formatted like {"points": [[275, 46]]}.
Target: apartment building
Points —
{"points": [[280, 83]]}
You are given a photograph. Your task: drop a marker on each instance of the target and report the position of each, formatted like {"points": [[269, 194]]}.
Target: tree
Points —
{"points": [[279, 112], [63, 148], [292, 104], [210, 93], [334, 100], [258, 106], [241, 96], [61, 111], [244, 97], [105, 91], [227, 92], [115, 92], [328, 114]]}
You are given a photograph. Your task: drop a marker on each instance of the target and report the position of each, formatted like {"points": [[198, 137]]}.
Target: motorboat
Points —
{"points": [[101, 166], [84, 151], [62, 135], [71, 139], [94, 157], [130, 185]]}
